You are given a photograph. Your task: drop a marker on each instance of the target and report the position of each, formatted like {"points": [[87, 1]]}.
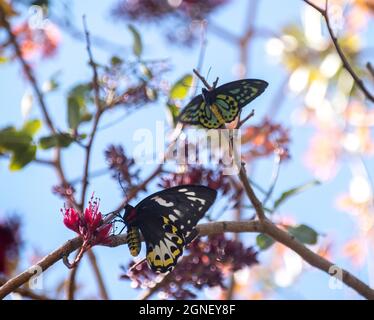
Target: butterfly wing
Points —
{"points": [[190, 114], [167, 220], [198, 113], [231, 97]]}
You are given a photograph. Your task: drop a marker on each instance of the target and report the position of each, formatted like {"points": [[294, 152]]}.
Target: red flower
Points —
{"points": [[90, 225], [71, 219]]}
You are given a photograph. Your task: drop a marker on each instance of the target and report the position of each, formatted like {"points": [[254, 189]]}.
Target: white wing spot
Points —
{"points": [[188, 221], [163, 202], [183, 190], [191, 193], [177, 212], [172, 218], [197, 199], [182, 227], [188, 233], [200, 208]]}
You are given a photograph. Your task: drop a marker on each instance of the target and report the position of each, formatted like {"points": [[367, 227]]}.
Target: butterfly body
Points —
{"points": [[133, 241], [213, 108], [167, 221]]}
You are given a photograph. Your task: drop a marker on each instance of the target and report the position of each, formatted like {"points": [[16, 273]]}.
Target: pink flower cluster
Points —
{"points": [[90, 225]]}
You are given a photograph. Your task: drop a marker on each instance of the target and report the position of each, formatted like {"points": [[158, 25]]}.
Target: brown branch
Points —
{"points": [[251, 194], [205, 229], [44, 264], [346, 64], [315, 260], [98, 275], [24, 292]]}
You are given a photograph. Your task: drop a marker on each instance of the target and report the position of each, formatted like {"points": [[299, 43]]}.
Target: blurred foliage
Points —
{"points": [[19, 144]]}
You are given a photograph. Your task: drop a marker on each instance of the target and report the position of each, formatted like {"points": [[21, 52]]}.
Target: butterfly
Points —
{"points": [[167, 221], [213, 108]]}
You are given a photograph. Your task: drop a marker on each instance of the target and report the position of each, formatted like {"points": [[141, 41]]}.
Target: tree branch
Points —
{"points": [[204, 229], [24, 292], [346, 64]]}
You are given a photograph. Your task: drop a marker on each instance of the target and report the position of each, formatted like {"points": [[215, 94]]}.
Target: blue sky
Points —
{"points": [[28, 192]]}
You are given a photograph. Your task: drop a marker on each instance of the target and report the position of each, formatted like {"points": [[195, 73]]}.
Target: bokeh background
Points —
{"points": [[328, 122]]}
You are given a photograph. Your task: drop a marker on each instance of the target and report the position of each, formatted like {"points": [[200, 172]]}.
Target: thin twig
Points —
{"points": [[98, 275], [85, 178], [274, 178], [346, 64], [370, 67], [202, 79], [251, 115], [71, 286]]}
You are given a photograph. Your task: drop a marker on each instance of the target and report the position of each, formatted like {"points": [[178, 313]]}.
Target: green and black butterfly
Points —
{"points": [[167, 221], [213, 108]]}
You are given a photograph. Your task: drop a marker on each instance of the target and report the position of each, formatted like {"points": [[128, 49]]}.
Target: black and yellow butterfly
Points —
{"points": [[212, 109], [167, 221]]}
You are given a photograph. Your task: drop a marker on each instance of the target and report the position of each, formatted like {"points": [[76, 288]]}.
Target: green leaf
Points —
{"points": [[12, 140], [289, 193], [137, 45], [73, 112], [22, 157], [77, 106], [181, 87], [86, 117], [116, 61], [263, 241], [31, 127], [304, 234], [81, 90], [62, 140]]}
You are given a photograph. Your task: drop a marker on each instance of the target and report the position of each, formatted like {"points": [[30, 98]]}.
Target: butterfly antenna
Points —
{"points": [[122, 186], [207, 76]]}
